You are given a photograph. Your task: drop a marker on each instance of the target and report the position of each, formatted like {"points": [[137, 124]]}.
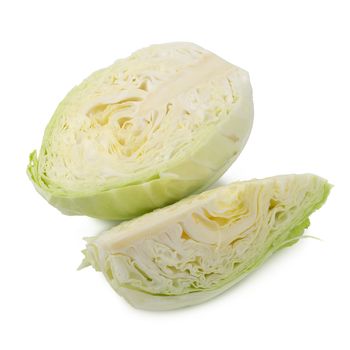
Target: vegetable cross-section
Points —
{"points": [[193, 250], [144, 132]]}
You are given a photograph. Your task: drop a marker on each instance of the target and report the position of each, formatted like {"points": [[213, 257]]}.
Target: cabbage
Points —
{"points": [[145, 132], [197, 248]]}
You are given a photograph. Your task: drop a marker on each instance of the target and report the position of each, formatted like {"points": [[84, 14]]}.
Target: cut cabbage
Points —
{"points": [[145, 132], [195, 249]]}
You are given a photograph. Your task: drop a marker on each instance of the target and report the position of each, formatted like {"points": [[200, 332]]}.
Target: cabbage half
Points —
{"points": [[197, 248], [145, 132]]}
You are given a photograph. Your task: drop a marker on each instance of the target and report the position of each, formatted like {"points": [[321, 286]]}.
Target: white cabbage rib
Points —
{"points": [[139, 114], [197, 248]]}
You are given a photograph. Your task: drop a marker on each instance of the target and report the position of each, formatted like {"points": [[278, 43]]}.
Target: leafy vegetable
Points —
{"points": [[144, 132], [197, 248]]}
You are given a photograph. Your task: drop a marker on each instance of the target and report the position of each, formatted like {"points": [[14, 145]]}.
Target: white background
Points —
{"points": [[297, 53]]}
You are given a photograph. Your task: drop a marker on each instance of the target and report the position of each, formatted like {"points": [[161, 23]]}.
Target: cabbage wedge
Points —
{"points": [[191, 251], [144, 132]]}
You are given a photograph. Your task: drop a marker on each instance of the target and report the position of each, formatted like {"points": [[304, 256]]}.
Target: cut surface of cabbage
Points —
{"points": [[144, 132], [193, 250]]}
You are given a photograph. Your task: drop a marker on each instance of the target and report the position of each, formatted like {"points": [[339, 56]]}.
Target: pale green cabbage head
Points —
{"points": [[197, 248], [145, 132]]}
